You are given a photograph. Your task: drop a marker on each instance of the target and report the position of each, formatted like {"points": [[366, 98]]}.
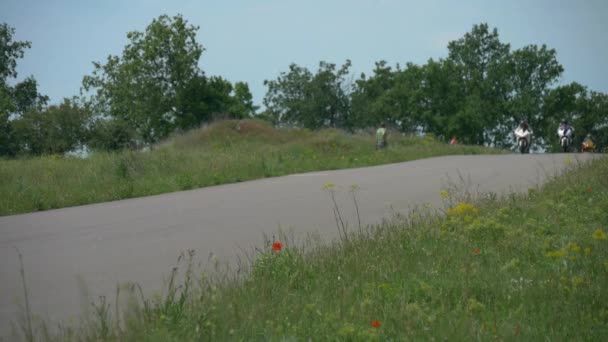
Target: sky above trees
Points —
{"points": [[253, 41]]}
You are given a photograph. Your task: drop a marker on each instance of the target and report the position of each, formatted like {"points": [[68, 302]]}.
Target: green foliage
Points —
{"points": [[142, 86], [18, 99], [586, 110], [56, 129], [156, 86], [479, 94], [312, 101]]}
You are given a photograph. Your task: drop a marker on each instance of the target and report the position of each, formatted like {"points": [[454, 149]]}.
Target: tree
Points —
{"points": [[482, 60], [440, 98], [242, 106], [371, 103], [16, 100], [145, 87], [533, 71], [56, 129], [300, 98], [594, 120]]}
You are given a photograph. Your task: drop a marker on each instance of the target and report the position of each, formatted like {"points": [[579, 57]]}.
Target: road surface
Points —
{"points": [[73, 255]]}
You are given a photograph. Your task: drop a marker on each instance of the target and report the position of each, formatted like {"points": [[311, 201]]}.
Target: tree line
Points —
{"points": [[155, 88], [479, 93]]}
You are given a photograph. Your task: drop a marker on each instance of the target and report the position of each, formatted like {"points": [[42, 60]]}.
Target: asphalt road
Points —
{"points": [[73, 255]]}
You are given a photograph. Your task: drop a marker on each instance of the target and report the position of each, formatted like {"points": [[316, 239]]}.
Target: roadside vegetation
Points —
{"points": [[531, 267], [224, 152]]}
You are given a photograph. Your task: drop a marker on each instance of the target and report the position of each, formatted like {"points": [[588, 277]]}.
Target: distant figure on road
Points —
{"points": [[381, 137], [453, 141]]}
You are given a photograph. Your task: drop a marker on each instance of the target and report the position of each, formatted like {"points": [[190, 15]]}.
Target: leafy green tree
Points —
{"points": [[110, 134], [56, 129], [242, 102], [594, 121], [560, 103], [371, 101], [533, 71], [440, 97], [301, 98], [143, 87], [483, 62], [14, 100]]}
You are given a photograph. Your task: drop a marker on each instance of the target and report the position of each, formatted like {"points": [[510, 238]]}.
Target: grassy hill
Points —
{"points": [[224, 152]]}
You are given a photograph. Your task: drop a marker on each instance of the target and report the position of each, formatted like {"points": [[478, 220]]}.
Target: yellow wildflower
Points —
{"points": [[598, 235], [577, 281], [463, 209], [573, 247], [556, 254], [328, 185], [444, 193]]}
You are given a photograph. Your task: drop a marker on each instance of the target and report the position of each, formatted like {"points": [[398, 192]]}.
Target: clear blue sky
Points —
{"points": [[257, 39]]}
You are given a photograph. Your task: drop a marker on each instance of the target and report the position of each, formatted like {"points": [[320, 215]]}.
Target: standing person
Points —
{"points": [[453, 141], [381, 137]]}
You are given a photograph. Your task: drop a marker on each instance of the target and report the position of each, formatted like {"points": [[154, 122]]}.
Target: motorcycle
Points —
{"points": [[523, 140], [522, 144], [564, 142]]}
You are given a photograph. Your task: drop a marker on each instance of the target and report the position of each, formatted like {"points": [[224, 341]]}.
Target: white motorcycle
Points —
{"points": [[523, 138], [565, 138]]}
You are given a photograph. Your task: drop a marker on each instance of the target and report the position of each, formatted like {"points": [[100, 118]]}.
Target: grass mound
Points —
{"points": [[224, 152]]}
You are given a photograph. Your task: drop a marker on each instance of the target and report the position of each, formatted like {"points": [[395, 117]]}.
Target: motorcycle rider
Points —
{"points": [[565, 130], [523, 134], [588, 145]]}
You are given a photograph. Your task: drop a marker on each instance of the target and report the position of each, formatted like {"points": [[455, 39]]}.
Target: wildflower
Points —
{"points": [[587, 251], [573, 247], [556, 254], [577, 281], [328, 185], [277, 246], [476, 251], [463, 209], [444, 193], [375, 324], [598, 235]]}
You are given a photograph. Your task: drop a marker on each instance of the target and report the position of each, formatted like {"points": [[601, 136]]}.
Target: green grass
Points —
{"points": [[524, 267], [225, 152]]}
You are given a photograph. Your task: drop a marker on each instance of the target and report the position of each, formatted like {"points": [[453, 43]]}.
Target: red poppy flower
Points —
{"points": [[476, 251], [277, 246], [376, 324]]}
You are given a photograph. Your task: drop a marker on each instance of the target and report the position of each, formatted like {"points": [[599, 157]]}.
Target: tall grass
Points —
{"points": [[531, 267], [226, 152]]}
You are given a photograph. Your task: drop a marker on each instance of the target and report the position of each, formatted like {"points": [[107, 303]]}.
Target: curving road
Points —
{"points": [[73, 255]]}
